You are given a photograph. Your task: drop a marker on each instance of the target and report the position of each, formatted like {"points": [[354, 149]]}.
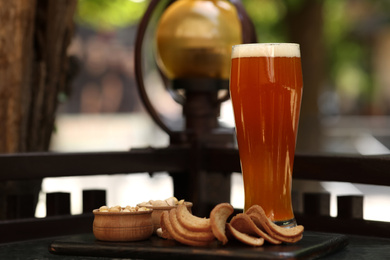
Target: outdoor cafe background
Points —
{"points": [[348, 89]]}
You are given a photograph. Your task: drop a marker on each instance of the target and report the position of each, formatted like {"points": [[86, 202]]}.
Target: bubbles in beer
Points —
{"points": [[266, 50]]}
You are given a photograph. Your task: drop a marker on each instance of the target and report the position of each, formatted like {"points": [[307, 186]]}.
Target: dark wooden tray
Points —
{"points": [[313, 245]]}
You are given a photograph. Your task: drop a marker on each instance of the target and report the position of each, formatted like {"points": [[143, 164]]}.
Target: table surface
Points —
{"points": [[359, 247]]}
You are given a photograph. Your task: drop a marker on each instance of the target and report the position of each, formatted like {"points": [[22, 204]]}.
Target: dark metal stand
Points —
{"points": [[201, 109]]}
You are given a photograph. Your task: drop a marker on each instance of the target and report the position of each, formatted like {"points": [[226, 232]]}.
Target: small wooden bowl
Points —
{"points": [[122, 226], [158, 210]]}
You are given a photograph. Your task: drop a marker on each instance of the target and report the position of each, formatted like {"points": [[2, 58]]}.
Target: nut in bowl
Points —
{"points": [[159, 206], [122, 225]]}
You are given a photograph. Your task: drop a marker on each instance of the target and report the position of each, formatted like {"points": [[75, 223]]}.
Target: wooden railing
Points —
{"points": [[180, 161]]}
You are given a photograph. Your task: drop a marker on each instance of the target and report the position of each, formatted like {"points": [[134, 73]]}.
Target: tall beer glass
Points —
{"points": [[266, 90]]}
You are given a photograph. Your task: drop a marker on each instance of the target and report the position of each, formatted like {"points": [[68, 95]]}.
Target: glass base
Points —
{"points": [[287, 223]]}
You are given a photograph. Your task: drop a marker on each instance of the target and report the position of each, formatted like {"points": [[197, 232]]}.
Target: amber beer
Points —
{"points": [[266, 90]]}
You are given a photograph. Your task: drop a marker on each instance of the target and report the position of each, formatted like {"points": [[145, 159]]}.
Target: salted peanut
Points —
{"points": [[172, 201], [115, 209], [176, 236], [190, 221], [128, 209], [160, 233], [218, 218], [245, 238], [206, 236], [146, 203], [159, 203], [103, 209], [287, 232], [243, 223]]}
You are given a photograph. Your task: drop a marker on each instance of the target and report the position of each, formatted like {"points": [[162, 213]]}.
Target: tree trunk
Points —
{"points": [[305, 26], [34, 36]]}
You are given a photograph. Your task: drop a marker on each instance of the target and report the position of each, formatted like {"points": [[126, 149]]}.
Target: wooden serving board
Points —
{"points": [[313, 245]]}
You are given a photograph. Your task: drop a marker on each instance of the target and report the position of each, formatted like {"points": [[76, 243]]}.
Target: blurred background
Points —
{"points": [[345, 48]]}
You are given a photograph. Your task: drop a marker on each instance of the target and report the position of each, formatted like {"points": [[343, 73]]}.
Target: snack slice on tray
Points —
{"points": [[167, 224], [218, 218], [205, 236], [243, 223], [191, 221], [245, 238], [252, 227], [288, 235]]}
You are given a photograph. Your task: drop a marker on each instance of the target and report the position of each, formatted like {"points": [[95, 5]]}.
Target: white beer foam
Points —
{"points": [[266, 50]]}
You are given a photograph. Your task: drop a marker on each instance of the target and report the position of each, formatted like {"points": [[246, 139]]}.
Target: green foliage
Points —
{"points": [[348, 47], [267, 16], [109, 14], [347, 52]]}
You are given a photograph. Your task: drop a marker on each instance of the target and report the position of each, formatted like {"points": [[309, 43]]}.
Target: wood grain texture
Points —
{"points": [[16, 18], [34, 37]]}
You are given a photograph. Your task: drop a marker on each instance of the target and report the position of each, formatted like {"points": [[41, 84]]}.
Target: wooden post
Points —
{"points": [[350, 207], [93, 199], [316, 204], [57, 203]]}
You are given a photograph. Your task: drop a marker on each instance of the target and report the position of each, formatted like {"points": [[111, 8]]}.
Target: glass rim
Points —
{"points": [[268, 43], [282, 49]]}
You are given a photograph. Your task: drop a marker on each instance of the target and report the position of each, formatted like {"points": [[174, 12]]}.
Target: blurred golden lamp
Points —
{"points": [[195, 37]]}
